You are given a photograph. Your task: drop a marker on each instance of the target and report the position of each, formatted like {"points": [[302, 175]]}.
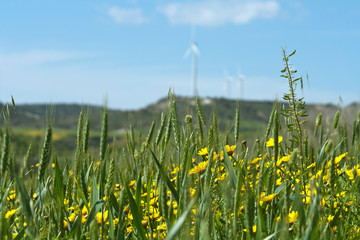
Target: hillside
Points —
{"points": [[29, 120]]}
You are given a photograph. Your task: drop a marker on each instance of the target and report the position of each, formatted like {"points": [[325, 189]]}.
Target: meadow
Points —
{"points": [[186, 179]]}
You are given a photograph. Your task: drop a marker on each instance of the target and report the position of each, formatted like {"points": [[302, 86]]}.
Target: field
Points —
{"points": [[186, 179]]}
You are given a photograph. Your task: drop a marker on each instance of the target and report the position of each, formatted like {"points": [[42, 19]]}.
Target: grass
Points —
{"points": [[185, 179]]}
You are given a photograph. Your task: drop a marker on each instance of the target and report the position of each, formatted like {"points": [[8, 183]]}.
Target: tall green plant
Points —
{"points": [[296, 111]]}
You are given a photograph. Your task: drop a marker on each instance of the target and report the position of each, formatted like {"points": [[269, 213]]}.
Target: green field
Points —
{"points": [[188, 176]]}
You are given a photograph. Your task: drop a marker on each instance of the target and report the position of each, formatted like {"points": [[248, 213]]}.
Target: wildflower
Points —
{"points": [[203, 152], [283, 159], [192, 192], [175, 170], [84, 211], [339, 158], [71, 219], [12, 195], [292, 216], [330, 218], [215, 156], [101, 217], [230, 150], [162, 226], [132, 183], [35, 196], [255, 160], [144, 223], [199, 168], [115, 221], [253, 229], [10, 213], [306, 200], [311, 165], [268, 198], [270, 143], [129, 229]]}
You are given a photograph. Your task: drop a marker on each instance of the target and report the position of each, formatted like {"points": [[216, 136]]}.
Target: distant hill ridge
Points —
{"points": [[255, 112]]}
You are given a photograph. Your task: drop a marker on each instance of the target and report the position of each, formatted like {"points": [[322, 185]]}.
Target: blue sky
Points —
{"points": [[133, 51]]}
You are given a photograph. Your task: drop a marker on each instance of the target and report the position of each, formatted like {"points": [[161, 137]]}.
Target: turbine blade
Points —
{"points": [[187, 53], [195, 49]]}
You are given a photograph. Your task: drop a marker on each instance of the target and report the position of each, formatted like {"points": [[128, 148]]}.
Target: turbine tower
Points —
{"points": [[194, 50], [241, 78], [228, 81]]}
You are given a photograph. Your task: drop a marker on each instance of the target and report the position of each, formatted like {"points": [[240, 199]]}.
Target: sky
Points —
{"points": [[132, 52]]}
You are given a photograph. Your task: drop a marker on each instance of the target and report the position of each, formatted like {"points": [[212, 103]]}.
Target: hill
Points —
{"points": [[29, 120]]}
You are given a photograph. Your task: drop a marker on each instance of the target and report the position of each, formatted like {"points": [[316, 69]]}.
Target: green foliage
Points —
{"points": [[187, 183], [296, 106]]}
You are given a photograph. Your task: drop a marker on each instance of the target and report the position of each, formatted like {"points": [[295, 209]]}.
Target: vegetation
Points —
{"points": [[188, 178]]}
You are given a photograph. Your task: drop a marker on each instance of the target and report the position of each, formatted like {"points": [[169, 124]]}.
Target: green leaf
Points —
{"points": [[59, 185], [177, 226], [94, 194], [111, 226], [13, 103], [114, 203], [169, 184], [138, 191], [24, 199], [292, 53], [230, 168], [95, 209], [20, 234], [80, 192], [135, 212]]}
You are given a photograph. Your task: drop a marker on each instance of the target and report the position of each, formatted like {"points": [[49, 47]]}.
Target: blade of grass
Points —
{"points": [[135, 212], [177, 226], [169, 184], [230, 168]]}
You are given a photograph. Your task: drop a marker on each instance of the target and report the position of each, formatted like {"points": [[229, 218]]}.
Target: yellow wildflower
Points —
{"points": [[339, 158], [203, 152], [268, 198], [132, 183], [175, 170], [230, 150], [330, 218], [292, 216], [10, 213], [255, 160], [311, 165], [117, 187], [253, 229], [283, 159], [12, 195], [200, 168], [99, 216], [215, 156], [270, 143], [192, 192]]}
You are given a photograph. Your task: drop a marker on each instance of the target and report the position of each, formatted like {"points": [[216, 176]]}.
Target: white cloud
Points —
{"points": [[127, 16], [36, 57], [219, 12]]}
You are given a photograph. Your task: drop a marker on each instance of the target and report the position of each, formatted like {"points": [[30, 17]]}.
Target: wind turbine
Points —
{"points": [[241, 78], [194, 50], [228, 81]]}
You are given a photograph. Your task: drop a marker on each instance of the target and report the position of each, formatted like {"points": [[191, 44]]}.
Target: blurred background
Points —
{"points": [[131, 52]]}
